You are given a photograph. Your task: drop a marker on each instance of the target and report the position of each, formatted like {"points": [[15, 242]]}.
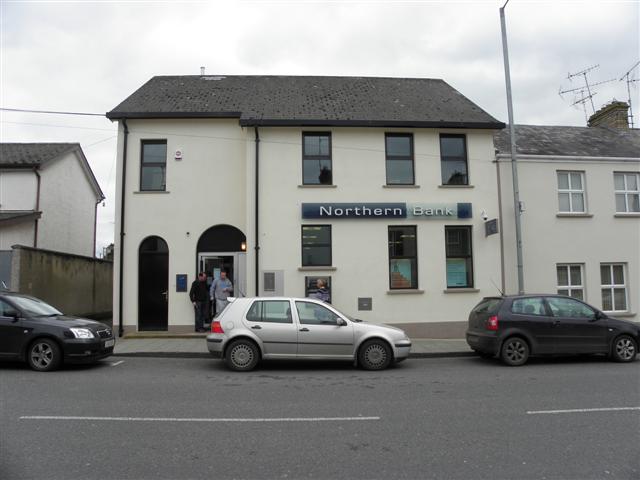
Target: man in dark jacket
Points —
{"points": [[199, 294]]}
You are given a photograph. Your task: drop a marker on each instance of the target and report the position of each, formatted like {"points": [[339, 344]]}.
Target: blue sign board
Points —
{"points": [[386, 210]]}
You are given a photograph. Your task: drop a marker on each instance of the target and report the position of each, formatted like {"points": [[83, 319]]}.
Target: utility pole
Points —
{"points": [[514, 165]]}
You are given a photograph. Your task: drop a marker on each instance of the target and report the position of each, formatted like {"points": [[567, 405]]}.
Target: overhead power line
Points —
{"points": [[22, 110]]}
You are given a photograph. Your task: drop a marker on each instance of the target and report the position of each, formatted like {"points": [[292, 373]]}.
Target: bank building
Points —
{"points": [[392, 190]]}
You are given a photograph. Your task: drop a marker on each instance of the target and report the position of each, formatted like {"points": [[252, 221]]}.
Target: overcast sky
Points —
{"points": [[89, 56]]}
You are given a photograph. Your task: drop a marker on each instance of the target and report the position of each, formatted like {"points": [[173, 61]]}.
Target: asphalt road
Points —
{"points": [[457, 418]]}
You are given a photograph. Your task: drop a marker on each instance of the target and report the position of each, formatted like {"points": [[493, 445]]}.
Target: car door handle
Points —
{"points": [[256, 327], [304, 329], [557, 322]]}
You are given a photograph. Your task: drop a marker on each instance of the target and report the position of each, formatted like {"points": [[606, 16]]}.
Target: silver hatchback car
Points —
{"points": [[251, 329]]}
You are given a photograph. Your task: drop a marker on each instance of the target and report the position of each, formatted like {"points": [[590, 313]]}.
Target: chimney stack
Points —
{"points": [[614, 115]]}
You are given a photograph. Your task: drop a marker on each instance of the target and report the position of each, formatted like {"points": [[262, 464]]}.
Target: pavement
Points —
{"points": [[195, 345]]}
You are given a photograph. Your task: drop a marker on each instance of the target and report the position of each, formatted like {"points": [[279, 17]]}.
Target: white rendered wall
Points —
{"points": [[68, 203], [17, 234], [18, 190], [549, 239]]}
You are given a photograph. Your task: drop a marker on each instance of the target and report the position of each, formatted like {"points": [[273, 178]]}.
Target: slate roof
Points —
{"points": [[32, 154], [306, 101], [571, 141]]}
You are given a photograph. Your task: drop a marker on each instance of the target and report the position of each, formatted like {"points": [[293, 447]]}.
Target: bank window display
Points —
{"points": [[627, 187], [453, 159], [316, 158], [459, 257], [570, 281], [614, 288], [399, 158], [153, 165], [403, 258], [571, 192], [316, 245]]}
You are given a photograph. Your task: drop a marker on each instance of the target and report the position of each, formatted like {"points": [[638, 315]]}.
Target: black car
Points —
{"points": [[35, 332], [514, 327]]}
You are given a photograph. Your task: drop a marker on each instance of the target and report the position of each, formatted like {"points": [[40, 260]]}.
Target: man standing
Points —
{"points": [[198, 296], [220, 290]]}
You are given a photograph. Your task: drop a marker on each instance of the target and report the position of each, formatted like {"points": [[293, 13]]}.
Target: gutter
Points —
{"points": [[35, 233], [122, 202], [257, 210]]}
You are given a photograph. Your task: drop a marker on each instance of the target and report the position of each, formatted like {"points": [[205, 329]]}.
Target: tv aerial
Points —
{"points": [[579, 93], [629, 81]]}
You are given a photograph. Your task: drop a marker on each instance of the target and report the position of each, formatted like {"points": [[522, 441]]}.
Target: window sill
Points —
{"points": [[627, 214], [317, 186], [402, 291], [143, 192], [400, 186], [456, 186], [620, 314], [318, 268], [461, 290], [574, 215]]}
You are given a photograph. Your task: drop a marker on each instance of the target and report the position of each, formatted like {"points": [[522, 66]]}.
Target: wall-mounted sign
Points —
{"points": [[491, 227], [181, 282], [387, 210]]}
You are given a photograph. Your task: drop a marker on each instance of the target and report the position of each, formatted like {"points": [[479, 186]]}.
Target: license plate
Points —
{"points": [[109, 343]]}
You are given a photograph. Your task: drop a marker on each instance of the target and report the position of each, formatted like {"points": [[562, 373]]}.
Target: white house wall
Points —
{"points": [[18, 190], [17, 234], [550, 239]]}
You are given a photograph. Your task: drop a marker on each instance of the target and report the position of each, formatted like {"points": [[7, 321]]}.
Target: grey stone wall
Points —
{"points": [[73, 284]]}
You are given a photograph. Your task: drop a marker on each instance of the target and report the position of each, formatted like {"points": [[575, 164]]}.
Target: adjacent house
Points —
{"points": [[580, 188], [48, 198], [379, 186]]}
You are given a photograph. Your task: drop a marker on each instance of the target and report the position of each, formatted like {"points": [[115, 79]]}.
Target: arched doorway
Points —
{"points": [[223, 247], [153, 284]]}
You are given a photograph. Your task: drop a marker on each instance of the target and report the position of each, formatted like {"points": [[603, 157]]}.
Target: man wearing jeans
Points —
{"points": [[221, 288], [198, 296]]}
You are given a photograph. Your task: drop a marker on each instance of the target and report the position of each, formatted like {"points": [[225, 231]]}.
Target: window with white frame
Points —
{"points": [[627, 187], [571, 192], [614, 288], [570, 280]]}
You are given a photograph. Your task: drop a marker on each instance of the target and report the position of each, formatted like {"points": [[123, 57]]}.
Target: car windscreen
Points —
{"points": [[488, 305], [33, 307]]}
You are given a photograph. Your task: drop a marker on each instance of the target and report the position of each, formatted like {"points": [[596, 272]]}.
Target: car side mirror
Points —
{"points": [[600, 315], [14, 314], [342, 322]]}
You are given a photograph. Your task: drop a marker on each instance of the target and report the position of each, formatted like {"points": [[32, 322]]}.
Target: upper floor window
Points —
{"points": [[399, 158], [571, 192], [316, 245], [153, 165], [569, 280], [316, 158], [459, 257], [453, 159], [627, 187], [403, 258]]}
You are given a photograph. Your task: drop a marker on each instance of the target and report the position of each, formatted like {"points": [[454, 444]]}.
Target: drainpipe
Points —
{"points": [[257, 206], [500, 227], [122, 200], [35, 232], [95, 227]]}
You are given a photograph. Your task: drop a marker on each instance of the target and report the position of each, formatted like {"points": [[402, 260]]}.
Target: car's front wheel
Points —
{"points": [[242, 356], [515, 352], [624, 349], [44, 355], [374, 355]]}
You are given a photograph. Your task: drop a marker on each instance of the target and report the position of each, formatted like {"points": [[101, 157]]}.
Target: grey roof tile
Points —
{"points": [[32, 154], [571, 141], [293, 100]]}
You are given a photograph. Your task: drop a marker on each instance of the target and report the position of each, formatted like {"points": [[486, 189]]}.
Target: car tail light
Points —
{"points": [[216, 327], [492, 323]]}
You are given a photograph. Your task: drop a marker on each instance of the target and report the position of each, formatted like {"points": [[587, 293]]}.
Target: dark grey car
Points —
{"points": [[517, 326]]}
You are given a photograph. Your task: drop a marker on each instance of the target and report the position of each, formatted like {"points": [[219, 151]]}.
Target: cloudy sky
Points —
{"points": [[88, 56]]}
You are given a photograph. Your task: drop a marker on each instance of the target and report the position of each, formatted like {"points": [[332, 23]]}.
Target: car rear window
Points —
{"points": [[488, 305]]}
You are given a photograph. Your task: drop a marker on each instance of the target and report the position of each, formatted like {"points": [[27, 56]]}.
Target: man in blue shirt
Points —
{"points": [[221, 288]]}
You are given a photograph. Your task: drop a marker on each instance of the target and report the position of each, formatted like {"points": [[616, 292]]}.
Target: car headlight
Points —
{"points": [[82, 332]]}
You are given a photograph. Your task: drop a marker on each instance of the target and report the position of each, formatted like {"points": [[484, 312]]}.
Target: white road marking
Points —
{"points": [[582, 410], [210, 420], [117, 363]]}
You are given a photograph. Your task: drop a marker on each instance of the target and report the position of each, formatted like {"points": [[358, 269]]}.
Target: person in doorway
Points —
{"points": [[198, 296], [221, 289], [321, 293]]}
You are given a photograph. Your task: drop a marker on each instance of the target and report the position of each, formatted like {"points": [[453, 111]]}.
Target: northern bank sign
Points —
{"points": [[386, 210]]}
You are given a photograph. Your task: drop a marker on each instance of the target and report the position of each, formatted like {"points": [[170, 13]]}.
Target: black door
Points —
{"points": [[11, 334], [576, 327], [153, 284]]}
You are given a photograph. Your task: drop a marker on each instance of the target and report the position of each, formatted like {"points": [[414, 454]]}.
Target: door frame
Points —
{"points": [[239, 269]]}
